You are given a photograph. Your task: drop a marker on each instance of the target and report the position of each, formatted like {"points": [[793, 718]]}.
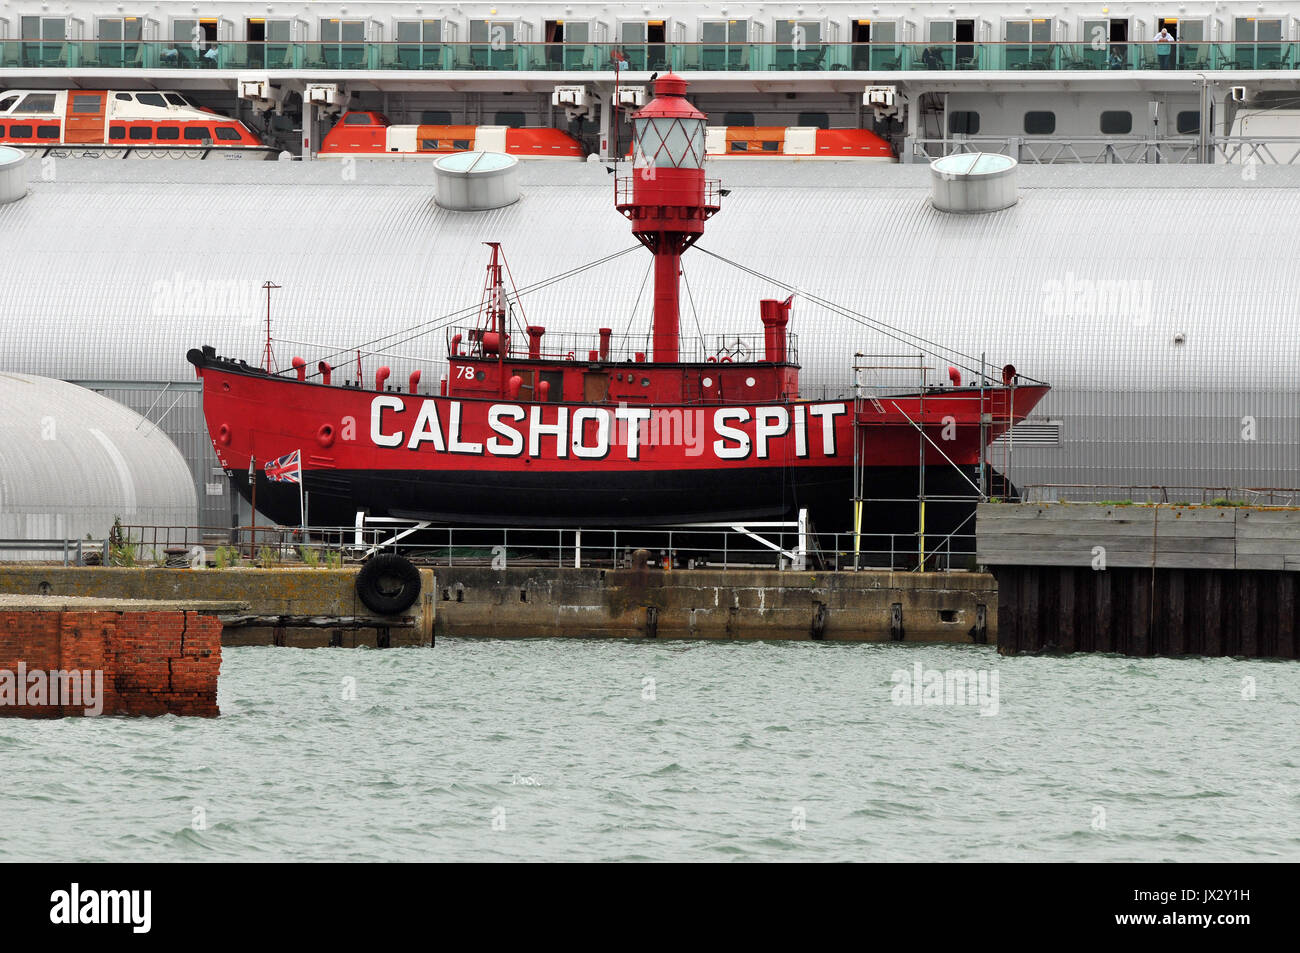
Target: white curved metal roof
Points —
{"points": [[1156, 300], [72, 461], [116, 269]]}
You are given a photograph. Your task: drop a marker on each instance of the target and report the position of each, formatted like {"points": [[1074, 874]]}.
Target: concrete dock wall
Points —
{"points": [[268, 592], [716, 604], [479, 602]]}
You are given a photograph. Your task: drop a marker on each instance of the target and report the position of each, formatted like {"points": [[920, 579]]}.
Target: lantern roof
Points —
{"points": [[669, 101]]}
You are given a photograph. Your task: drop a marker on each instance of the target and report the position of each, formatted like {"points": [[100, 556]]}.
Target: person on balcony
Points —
{"points": [[1164, 46]]}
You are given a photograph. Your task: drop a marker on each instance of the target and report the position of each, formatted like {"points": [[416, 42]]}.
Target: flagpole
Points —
{"points": [[302, 504], [252, 479]]}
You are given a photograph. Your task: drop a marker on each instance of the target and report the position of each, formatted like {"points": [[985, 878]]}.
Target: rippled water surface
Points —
{"points": [[552, 750]]}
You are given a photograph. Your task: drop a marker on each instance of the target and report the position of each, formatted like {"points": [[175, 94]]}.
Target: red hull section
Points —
{"points": [[345, 430]]}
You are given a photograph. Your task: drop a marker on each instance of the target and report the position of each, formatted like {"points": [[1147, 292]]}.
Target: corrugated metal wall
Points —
{"points": [[1158, 300]]}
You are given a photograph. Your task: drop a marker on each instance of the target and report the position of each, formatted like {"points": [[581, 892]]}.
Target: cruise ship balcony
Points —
{"points": [[678, 57]]}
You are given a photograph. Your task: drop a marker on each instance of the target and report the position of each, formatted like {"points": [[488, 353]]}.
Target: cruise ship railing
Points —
{"points": [[801, 53], [1074, 150]]}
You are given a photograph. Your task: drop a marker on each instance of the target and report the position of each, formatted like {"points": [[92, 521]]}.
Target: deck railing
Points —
{"points": [[183, 55], [721, 547]]}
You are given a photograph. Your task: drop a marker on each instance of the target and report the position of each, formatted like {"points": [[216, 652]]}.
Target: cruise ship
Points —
{"points": [[1044, 82]]}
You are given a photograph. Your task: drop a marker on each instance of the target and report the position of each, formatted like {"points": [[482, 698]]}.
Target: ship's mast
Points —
{"points": [[667, 197], [494, 335], [270, 356]]}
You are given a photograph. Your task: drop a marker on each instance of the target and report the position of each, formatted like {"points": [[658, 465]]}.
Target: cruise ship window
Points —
{"points": [[810, 31], [20, 132], [197, 133], [435, 117], [1038, 30], [724, 32], [151, 99], [1116, 122], [342, 31], [122, 97], [817, 120], [227, 134], [511, 118], [419, 31], [202, 31], [38, 103], [47, 132], [140, 133], [116, 132], [86, 102], [44, 28], [168, 132], [1188, 122], [963, 122], [119, 29], [738, 119], [1040, 123], [491, 31]]}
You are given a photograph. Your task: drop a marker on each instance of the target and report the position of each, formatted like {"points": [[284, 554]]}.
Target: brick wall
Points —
{"points": [[153, 663]]}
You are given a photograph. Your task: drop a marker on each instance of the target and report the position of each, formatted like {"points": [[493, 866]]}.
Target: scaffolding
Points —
{"points": [[880, 382]]}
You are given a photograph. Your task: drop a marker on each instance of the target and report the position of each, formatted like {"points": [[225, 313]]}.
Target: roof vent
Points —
{"points": [[973, 182], [13, 174], [477, 181]]}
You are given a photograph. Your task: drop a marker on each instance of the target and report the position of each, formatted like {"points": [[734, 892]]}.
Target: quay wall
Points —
{"points": [[479, 602], [268, 592], [716, 604], [152, 659]]}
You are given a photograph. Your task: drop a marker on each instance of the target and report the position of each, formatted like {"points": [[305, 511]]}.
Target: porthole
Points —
{"points": [[749, 382], [481, 376], [645, 382], [707, 382]]}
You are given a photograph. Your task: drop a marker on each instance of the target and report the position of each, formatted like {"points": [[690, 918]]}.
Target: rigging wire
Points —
{"points": [[691, 298], [906, 338], [637, 303], [414, 331]]}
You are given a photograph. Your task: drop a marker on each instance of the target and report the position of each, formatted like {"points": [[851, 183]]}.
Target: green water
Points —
{"points": [[614, 750]]}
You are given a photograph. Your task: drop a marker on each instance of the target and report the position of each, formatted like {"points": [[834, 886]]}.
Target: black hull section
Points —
{"points": [[623, 499]]}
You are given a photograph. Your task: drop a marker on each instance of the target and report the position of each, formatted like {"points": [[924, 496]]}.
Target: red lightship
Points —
{"points": [[531, 434]]}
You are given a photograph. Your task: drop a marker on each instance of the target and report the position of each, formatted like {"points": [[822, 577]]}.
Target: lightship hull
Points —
{"points": [[502, 462]]}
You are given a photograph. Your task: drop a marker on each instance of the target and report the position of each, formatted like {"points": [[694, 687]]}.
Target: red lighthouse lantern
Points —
{"points": [[667, 197]]}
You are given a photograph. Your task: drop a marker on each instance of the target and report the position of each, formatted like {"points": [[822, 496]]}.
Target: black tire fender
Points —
{"points": [[388, 584]]}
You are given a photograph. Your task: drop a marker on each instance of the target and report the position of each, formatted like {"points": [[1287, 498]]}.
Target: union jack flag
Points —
{"points": [[287, 469]]}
